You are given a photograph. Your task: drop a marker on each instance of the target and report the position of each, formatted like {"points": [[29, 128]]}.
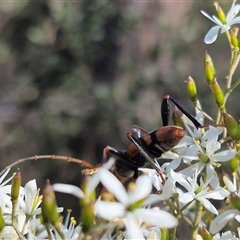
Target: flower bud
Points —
{"points": [[16, 184], [177, 118], [191, 89], [234, 40], [49, 205], [221, 14], [87, 217], [235, 201], [234, 163], [209, 68], [2, 223], [87, 206], [204, 233], [218, 94], [232, 126]]}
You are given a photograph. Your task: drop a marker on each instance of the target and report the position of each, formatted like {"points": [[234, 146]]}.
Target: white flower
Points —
{"points": [[207, 158], [167, 189], [223, 218], [6, 205], [231, 19], [29, 204], [128, 208], [200, 192]]}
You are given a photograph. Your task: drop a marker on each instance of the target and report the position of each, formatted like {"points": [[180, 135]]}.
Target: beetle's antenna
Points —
{"points": [[195, 122], [165, 111], [53, 157]]}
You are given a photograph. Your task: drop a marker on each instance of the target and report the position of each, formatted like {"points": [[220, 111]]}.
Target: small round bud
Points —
{"points": [[177, 118], [49, 205], [191, 89], [221, 14], [16, 184], [234, 163], [87, 217], [232, 126], [234, 39], [209, 68], [235, 201], [218, 94], [204, 233]]}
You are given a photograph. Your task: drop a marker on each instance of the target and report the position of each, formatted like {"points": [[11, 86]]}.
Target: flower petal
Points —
{"points": [[212, 176], [212, 34], [221, 220], [133, 230], [224, 155], [230, 186], [142, 190], [234, 10], [69, 189], [178, 178], [4, 175], [152, 199], [208, 16], [186, 197], [234, 21], [218, 194], [95, 178], [113, 185], [157, 217], [30, 194], [109, 210], [208, 205]]}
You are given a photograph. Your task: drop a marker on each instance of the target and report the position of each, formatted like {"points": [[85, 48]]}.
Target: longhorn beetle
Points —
{"points": [[145, 147]]}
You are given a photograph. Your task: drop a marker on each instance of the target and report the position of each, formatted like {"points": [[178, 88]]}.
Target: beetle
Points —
{"points": [[146, 147]]}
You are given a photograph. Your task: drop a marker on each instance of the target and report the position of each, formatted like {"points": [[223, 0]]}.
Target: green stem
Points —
{"points": [[230, 44], [15, 226], [57, 227], [185, 206], [25, 224], [229, 79], [197, 220], [50, 236], [15, 220], [229, 39]]}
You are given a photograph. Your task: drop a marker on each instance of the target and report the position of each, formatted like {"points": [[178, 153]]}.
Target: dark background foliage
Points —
{"points": [[76, 75]]}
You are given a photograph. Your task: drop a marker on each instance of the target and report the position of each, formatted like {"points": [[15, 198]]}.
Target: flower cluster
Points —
{"points": [[163, 199]]}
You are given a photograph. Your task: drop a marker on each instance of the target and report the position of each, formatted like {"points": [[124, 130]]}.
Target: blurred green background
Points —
{"points": [[76, 75]]}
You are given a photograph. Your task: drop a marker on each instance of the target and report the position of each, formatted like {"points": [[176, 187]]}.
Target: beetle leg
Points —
{"points": [[138, 144]]}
